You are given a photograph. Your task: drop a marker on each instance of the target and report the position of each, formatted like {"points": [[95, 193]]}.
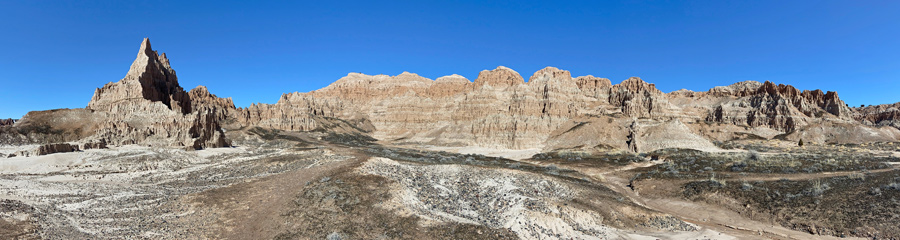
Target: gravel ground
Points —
{"points": [[133, 192], [533, 206]]}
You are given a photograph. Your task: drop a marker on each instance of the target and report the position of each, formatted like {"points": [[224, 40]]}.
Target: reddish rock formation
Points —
{"points": [[500, 77], [879, 115], [55, 148], [498, 109], [93, 145], [637, 98], [149, 78], [447, 86], [781, 107], [148, 106]]}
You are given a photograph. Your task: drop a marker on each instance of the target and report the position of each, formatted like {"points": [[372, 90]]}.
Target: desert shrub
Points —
{"points": [[754, 155], [336, 236], [892, 186], [692, 189], [875, 191], [746, 186], [738, 166], [817, 188]]}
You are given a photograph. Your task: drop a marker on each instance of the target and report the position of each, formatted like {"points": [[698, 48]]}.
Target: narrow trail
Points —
{"points": [[708, 216], [633, 166], [807, 176], [257, 204], [253, 209]]}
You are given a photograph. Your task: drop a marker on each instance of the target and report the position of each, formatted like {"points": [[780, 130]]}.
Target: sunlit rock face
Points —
{"points": [[498, 109], [148, 106]]}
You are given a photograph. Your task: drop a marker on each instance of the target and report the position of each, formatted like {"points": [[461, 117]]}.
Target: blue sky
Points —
{"points": [[54, 54]]}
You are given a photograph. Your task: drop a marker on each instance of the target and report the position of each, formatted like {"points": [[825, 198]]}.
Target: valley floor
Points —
{"points": [[288, 185]]}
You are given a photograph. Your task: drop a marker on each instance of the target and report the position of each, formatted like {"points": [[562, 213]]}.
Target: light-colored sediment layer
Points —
{"points": [[531, 205]]}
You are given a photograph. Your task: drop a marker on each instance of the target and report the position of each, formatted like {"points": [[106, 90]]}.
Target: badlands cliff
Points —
{"points": [[146, 107], [499, 109], [553, 111]]}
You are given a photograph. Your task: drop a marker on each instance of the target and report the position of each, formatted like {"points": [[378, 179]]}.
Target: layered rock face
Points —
{"points": [[150, 78], [780, 107], [499, 109], [148, 106], [879, 115], [639, 99], [552, 110], [55, 148]]}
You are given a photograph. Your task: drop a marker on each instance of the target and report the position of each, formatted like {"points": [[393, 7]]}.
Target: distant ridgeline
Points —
{"points": [[499, 109]]}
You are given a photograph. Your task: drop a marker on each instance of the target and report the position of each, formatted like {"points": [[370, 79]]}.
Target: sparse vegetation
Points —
{"points": [[345, 201], [583, 159], [838, 206], [348, 205]]}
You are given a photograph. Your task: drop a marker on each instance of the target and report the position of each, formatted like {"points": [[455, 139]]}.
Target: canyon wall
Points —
{"points": [[499, 109]]}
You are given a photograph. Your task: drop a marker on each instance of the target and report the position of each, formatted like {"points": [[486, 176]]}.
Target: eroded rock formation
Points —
{"points": [[499, 109], [780, 107], [879, 115], [150, 78], [148, 106], [55, 148]]}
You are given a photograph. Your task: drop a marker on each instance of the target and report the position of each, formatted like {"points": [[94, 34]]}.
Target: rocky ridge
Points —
{"points": [[146, 107], [499, 109], [149, 106], [879, 115]]}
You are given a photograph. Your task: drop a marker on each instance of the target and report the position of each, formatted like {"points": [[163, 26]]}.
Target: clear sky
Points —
{"points": [[53, 54]]}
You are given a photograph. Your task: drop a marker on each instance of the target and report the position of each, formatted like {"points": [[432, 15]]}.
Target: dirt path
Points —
{"points": [[633, 166], [253, 209], [806, 176], [709, 216]]}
